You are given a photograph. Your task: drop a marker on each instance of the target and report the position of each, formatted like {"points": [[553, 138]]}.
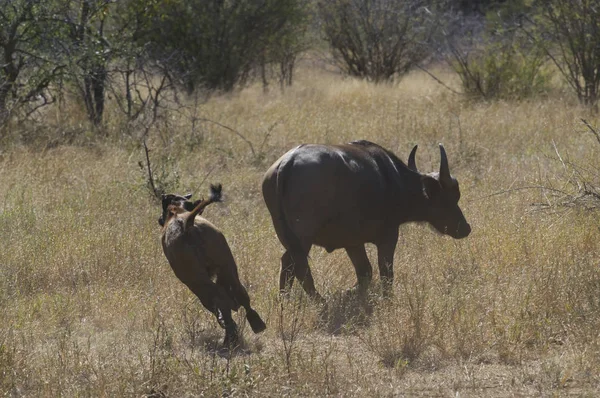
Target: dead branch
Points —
{"points": [[438, 80], [578, 186], [247, 141], [149, 169], [593, 130], [208, 173]]}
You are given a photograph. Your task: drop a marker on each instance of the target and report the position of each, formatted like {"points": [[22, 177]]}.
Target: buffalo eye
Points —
{"points": [[431, 188]]}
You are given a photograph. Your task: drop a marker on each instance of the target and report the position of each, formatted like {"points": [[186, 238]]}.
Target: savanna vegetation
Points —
{"points": [[104, 115]]}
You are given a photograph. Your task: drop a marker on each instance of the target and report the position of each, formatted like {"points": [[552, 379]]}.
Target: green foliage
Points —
{"points": [[214, 44], [502, 70], [26, 67], [96, 36], [569, 32], [496, 59], [480, 6], [377, 39], [51, 47]]}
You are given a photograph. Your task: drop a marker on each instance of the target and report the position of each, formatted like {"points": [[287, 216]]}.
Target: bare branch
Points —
{"points": [[247, 141], [149, 168], [593, 130], [438, 80]]}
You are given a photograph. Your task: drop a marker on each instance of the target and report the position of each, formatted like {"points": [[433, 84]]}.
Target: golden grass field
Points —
{"points": [[90, 306]]}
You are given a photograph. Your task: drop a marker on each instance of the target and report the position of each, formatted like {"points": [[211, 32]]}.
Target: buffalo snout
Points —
{"points": [[463, 231]]}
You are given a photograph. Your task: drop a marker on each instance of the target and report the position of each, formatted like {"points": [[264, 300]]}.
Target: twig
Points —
{"points": [[205, 178], [460, 134], [438, 80], [592, 130], [233, 131], [558, 154], [503, 191], [267, 135], [149, 167]]}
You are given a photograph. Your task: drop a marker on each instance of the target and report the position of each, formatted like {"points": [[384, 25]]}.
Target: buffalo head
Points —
{"points": [[441, 194]]}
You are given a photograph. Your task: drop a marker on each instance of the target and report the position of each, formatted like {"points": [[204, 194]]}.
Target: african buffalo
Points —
{"points": [[198, 252], [343, 196]]}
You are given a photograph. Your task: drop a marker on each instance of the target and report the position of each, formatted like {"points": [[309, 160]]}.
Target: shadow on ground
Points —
{"points": [[211, 341], [346, 311], [216, 347]]}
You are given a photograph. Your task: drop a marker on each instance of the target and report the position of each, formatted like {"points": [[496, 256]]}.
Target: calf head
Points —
{"points": [[441, 194], [173, 203]]}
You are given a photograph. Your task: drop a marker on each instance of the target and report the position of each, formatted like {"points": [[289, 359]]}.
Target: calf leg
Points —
{"points": [[214, 298], [227, 287], [240, 296], [385, 259]]}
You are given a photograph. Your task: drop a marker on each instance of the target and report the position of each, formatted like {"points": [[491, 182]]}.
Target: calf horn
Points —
{"points": [[444, 177], [411, 159]]}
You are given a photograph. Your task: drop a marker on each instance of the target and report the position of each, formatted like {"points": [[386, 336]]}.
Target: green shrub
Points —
{"points": [[502, 70]]}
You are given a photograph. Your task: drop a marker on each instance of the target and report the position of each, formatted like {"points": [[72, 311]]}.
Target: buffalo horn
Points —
{"points": [[445, 178], [411, 159]]}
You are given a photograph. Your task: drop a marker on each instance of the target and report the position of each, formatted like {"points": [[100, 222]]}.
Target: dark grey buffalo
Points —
{"points": [[343, 196]]}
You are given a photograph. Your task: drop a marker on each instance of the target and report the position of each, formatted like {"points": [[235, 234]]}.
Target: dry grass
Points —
{"points": [[90, 306]]}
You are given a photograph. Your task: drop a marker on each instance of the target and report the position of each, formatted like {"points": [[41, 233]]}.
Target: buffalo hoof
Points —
{"points": [[255, 322], [358, 290], [387, 293]]}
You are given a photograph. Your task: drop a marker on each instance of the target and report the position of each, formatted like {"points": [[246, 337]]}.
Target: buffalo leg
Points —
{"points": [[302, 272], [362, 266], [385, 260], [286, 277]]}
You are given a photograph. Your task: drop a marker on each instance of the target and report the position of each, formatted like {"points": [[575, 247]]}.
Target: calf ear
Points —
{"points": [[431, 187], [188, 196], [166, 201]]}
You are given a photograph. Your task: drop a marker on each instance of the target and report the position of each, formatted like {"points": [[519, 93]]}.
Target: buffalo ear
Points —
{"points": [[431, 187]]}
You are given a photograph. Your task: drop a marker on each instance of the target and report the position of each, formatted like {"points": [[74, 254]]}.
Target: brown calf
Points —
{"points": [[198, 253]]}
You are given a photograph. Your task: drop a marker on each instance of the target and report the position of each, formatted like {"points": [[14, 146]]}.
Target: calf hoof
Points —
{"points": [[318, 299], [231, 337], [255, 322]]}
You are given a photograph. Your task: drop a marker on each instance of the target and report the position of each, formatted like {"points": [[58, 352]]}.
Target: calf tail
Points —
{"points": [[215, 196]]}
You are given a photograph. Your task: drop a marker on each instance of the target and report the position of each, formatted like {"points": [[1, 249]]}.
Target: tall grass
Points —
{"points": [[90, 306]]}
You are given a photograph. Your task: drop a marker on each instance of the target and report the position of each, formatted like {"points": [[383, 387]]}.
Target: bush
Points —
{"points": [[215, 44], [569, 32], [26, 70], [376, 39], [501, 69]]}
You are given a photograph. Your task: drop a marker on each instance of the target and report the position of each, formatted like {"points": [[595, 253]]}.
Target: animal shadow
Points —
{"points": [[212, 343], [216, 347], [346, 311]]}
